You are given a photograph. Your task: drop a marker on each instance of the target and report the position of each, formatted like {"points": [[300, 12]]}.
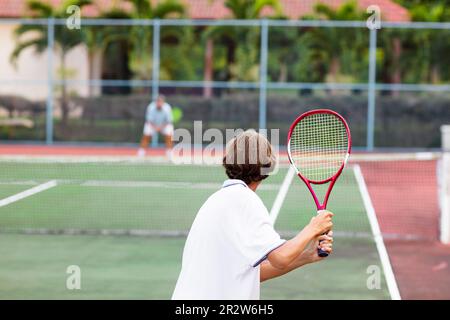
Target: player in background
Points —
{"points": [[158, 119]]}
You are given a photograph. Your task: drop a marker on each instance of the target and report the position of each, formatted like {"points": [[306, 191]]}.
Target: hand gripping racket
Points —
{"points": [[319, 144]]}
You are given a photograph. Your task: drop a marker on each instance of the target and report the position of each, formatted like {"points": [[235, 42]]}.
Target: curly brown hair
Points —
{"points": [[249, 157]]}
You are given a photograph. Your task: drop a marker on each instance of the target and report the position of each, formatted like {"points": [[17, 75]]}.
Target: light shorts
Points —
{"points": [[167, 130]]}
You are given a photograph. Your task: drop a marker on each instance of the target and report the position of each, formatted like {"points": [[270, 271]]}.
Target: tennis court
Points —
{"points": [[77, 92], [123, 221]]}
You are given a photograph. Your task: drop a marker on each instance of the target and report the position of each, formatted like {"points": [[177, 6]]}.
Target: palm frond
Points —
{"points": [[22, 29], [40, 9], [216, 32], [259, 5], [79, 3], [323, 10], [349, 11], [115, 13], [235, 6], [142, 8], [39, 44], [167, 8]]}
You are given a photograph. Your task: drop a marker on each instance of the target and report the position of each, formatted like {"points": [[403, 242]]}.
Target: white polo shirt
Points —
{"points": [[231, 235], [159, 116]]}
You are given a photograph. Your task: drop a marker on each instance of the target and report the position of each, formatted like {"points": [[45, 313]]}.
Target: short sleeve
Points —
{"points": [[258, 237]]}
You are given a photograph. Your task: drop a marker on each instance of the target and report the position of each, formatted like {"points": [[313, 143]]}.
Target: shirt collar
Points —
{"points": [[232, 182]]}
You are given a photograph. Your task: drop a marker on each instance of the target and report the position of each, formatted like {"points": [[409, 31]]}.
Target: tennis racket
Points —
{"points": [[319, 144]]}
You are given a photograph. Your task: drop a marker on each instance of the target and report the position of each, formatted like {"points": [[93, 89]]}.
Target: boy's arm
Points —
{"points": [[283, 256], [267, 271], [309, 255]]}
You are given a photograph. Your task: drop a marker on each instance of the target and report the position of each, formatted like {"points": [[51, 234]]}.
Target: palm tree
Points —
{"points": [[426, 49], [35, 36], [288, 57], [433, 45], [132, 43], [423, 52], [141, 37], [98, 38], [146, 9], [237, 41], [337, 45]]}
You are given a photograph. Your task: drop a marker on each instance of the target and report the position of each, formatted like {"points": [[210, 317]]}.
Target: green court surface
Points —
{"points": [[97, 205]]}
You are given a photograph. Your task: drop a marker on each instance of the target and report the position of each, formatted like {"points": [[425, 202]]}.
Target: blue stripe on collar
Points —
{"points": [[233, 182]]}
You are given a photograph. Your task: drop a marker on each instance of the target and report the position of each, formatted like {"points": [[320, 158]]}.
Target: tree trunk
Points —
{"points": [[64, 103], [335, 68], [208, 73], [230, 58], [435, 74], [283, 73], [396, 73], [95, 70]]}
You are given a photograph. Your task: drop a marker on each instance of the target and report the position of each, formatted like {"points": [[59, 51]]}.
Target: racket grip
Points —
{"points": [[322, 253]]}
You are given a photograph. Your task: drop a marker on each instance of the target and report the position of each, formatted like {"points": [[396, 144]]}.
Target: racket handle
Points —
{"points": [[322, 253]]}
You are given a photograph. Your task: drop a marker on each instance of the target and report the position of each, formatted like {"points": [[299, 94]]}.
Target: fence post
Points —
{"points": [[263, 74], [155, 62], [371, 90], [50, 82], [155, 68]]}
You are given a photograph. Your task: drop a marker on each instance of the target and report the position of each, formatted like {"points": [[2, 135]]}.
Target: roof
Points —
{"points": [[294, 9], [215, 9]]}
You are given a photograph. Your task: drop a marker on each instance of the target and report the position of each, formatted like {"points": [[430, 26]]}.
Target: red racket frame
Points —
{"points": [[332, 179]]}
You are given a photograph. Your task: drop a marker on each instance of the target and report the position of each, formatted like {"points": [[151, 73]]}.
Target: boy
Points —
{"points": [[158, 118], [232, 245]]}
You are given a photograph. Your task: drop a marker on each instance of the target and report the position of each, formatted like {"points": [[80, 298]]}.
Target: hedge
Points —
{"points": [[404, 120]]}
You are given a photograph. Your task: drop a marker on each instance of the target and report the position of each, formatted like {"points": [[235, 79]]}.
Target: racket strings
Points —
{"points": [[318, 146]]}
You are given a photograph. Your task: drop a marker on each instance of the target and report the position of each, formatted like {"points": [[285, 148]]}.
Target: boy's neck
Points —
{"points": [[254, 185]]}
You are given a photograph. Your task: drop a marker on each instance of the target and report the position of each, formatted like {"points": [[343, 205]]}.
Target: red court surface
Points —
{"points": [[421, 268], [405, 197], [421, 265]]}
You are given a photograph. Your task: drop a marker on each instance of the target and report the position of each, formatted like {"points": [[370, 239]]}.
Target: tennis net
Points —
{"points": [[153, 197]]}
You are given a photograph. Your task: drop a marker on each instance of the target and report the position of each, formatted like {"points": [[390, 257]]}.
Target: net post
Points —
{"points": [[444, 185]]}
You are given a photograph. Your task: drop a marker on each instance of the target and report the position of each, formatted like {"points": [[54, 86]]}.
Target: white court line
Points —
{"points": [[135, 184], [27, 193], [384, 257], [18, 182], [281, 195], [161, 184], [149, 184]]}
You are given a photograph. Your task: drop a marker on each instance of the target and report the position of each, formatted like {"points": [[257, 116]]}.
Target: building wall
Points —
{"points": [[32, 66]]}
